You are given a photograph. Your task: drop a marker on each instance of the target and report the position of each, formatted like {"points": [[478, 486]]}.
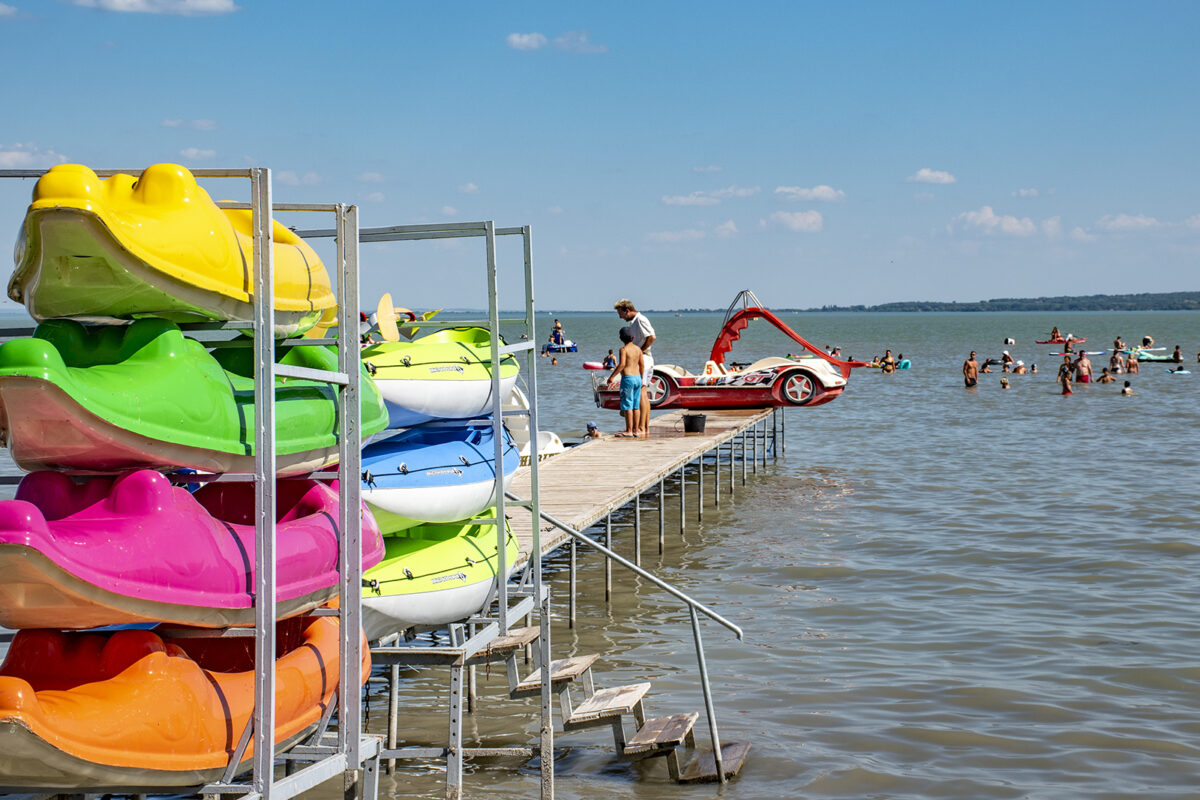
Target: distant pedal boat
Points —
{"points": [[432, 575], [112, 398], [444, 375], [133, 710], [136, 549], [434, 473], [154, 245]]}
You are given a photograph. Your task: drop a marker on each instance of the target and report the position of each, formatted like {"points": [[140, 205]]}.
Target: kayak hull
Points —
{"points": [[133, 710], [414, 402], [65, 551]]}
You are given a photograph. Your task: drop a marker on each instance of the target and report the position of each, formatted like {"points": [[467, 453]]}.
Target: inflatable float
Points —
{"points": [[443, 375], [432, 575], [154, 245], [113, 398], [131, 710], [136, 549], [437, 473]]}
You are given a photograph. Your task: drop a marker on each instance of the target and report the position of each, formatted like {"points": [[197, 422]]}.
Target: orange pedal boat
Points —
{"points": [[133, 710]]}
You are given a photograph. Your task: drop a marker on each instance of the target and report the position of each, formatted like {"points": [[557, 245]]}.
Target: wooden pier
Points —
{"points": [[590, 481]]}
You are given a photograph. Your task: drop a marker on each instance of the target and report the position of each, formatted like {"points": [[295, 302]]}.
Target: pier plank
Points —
{"points": [[602, 475]]}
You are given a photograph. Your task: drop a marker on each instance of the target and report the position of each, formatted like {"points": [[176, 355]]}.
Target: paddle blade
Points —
{"points": [[385, 318]]}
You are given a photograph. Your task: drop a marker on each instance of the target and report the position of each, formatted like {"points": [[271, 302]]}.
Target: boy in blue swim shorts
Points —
{"points": [[630, 369]]}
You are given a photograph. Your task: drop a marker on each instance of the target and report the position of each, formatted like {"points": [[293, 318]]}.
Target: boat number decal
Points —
{"points": [[739, 379], [458, 576], [450, 368], [446, 471]]}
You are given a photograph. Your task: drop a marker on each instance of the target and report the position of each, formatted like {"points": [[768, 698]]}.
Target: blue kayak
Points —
{"points": [[434, 473]]}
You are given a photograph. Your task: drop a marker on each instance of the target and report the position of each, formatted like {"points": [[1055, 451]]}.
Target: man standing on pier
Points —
{"points": [[643, 337]]}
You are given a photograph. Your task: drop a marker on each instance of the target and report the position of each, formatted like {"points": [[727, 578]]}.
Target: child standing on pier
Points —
{"points": [[630, 369]]}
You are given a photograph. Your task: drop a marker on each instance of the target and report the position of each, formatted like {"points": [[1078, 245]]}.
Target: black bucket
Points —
{"points": [[693, 423]]}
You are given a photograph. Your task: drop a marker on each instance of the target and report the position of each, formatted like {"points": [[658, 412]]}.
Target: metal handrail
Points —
{"points": [[659, 582]]}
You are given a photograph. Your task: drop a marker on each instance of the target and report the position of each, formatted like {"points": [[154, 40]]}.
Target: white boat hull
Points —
{"points": [[383, 616], [411, 402], [431, 503]]}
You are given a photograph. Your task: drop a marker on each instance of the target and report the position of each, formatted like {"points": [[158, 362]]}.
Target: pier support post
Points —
{"points": [[608, 542], [731, 478], [393, 730], [682, 497], [700, 488], [717, 477], [454, 755], [764, 444], [571, 609], [775, 434], [662, 515], [637, 529], [783, 431], [754, 447]]}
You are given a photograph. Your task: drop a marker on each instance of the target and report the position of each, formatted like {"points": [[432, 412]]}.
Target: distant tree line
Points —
{"points": [[1147, 301]]}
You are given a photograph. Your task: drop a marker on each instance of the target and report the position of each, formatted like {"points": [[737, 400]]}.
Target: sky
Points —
{"points": [[817, 153]]}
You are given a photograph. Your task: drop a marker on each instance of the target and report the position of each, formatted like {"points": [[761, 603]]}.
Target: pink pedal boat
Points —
{"points": [[136, 549]]}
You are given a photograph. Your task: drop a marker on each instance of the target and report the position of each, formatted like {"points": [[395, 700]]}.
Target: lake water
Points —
{"points": [[945, 593]]}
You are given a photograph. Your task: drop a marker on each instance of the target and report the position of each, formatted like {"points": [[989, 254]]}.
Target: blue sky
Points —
{"points": [[831, 153]]}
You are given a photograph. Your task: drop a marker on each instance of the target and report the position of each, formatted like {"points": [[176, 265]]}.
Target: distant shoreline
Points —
{"points": [[1161, 301]]}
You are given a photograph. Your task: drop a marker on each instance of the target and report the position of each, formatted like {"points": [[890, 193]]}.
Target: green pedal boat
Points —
{"points": [[432, 575], [109, 398]]}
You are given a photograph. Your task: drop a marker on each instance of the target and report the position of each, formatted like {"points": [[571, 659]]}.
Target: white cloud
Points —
{"points": [[1193, 222], [1025, 193], [526, 41], [693, 199], [927, 175], [449, 211], [375, 197], [196, 154], [1080, 235], [7, 11], [726, 229], [28, 156], [671, 237], [821, 192], [709, 168], [987, 220], [469, 188], [578, 42], [1127, 222], [554, 210], [803, 221], [290, 178], [371, 177], [710, 198], [1052, 227], [182, 8]]}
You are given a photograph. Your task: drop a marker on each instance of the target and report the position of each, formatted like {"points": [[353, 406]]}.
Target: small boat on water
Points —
{"points": [[443, 375], [548, 442], [154, 245], [110, 398], [438, 472], [1060, 340], [135, 549], [565, 346], [774, 381], [133, 710], [432, 575]]}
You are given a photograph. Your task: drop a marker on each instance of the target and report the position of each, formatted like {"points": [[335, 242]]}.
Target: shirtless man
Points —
{"points": [[1105, 376], [1083, 369], [970, 371], [643, 337]]}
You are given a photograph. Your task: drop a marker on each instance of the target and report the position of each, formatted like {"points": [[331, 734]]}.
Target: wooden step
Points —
{"points": [[660, 735], [562, 671], [501, 646], [607, 705], [703, 768]]}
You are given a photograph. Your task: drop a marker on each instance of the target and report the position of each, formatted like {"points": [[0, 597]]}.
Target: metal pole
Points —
{"points": [[743, 456], [754, 447], [764, 444], [393, 734], [662, 516], [608, 542], [774, 435], [700, 488], [264, 485], [731, 478], [454, 754], [498, 431], [708, 702], [783, 432], [717, 477]]}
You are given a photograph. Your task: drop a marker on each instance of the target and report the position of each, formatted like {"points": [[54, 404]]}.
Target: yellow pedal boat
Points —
{"points": [[155, 245]]}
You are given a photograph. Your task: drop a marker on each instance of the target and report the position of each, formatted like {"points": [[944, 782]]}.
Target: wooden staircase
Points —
{"points": [[660, 737]]}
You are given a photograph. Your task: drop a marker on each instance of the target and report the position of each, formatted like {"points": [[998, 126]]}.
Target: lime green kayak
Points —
{"points": [[111, 398], [432, 575], [445, 375]]}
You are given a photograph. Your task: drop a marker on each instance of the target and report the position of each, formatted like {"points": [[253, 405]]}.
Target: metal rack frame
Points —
{"points": [[352, 751], [464, 644]]}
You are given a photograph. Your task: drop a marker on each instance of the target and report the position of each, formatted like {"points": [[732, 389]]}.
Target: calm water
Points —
{"points": [[945, 593]]}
